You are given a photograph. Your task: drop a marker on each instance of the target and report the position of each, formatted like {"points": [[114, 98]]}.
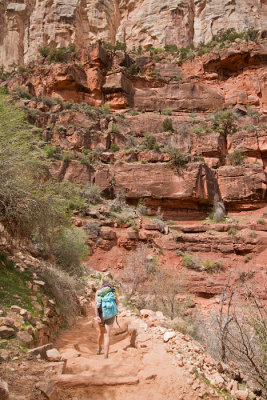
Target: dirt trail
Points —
{"points": [[146, 372]]}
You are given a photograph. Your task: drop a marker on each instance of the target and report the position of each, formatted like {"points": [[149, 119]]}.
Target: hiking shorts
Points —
{"points": [[109, 321]]}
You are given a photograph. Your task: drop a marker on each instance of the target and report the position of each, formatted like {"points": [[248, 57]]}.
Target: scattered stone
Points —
{"points": [[15, 308], [53, 355], [4, 392], [168, 335], [6, 332], [4, 355], [39, 283], [241, 394], [48, 389], [25, 338], [7, 322]]}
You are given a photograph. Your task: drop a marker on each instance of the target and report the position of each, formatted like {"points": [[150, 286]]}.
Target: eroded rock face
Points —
{"points": [[27, 25]]}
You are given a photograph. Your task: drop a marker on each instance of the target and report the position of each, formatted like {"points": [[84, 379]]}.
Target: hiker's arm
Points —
{"points": [[96, 310]]}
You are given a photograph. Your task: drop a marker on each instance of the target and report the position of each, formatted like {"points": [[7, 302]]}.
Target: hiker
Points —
{"points": [[105, 310]]}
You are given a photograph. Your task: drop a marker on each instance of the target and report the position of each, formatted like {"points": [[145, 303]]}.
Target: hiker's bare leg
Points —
{"points": [[101, 335], [106, 340]]}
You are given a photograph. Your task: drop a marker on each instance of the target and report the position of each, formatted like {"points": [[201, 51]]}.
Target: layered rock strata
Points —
{"points": [[27, 25]]}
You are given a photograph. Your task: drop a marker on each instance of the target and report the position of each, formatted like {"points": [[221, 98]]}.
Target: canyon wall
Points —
{"points": [[26, 25]]}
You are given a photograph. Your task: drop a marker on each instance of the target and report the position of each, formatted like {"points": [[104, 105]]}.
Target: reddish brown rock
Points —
{"points": [[179, 97], [244, 185]]}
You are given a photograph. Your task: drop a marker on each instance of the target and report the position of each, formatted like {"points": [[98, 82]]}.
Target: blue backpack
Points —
{"points": [[109, 306]]}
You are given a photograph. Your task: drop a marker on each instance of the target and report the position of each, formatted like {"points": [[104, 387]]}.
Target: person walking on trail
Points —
{"points": [[106, 310]]}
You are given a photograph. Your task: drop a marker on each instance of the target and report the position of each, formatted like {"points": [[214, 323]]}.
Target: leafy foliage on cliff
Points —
{"points": [[31, 206]]}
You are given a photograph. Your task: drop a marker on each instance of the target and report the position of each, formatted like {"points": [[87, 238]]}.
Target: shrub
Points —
{"points": [[178, 77], [247, 258], [213, 266], [48, 101], [149, 142], [67, 157], [71, 48], [51, 151], [167, 111], [68, 247], [178, 159], [58, 55], [21, 69], [44, 51], [236, 158], [92, 193], [224, 122], [142, 208], [92, 229], [105, 108], [62, 287], [133, 69], [186, 53], [114, 147], [171, 48], [23, 92], [3, 90], [189, 261], [261, 221], [152, 73], [137, 270], [198, 129], [167, 125], [115, 128], [232, 231]]}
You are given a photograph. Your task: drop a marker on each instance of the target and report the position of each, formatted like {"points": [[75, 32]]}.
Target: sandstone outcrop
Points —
{"points": [[25, 26]]}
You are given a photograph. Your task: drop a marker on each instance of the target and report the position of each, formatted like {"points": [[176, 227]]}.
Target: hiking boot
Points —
{"points": [[99, 349], [105, 356]]}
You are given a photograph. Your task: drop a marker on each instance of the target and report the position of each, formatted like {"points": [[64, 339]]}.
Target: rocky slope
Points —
{"points": [[144, 355], [26, 25], [214, 147]]}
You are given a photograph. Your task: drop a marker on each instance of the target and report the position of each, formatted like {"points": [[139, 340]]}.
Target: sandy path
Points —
{"points": [[146, 372]]}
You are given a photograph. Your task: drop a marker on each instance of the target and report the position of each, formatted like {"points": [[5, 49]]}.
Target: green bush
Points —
{"points": [[149, 142], [224, 122], [92, 193], [114, 147], [68, 247], [67, 157], [167, 111], [213, 266], [178, 77], [51, 151], [178, 159], [236, 158], [21, 69], [189, 261], [57, 55], [23, 92], [171, 48], [152, 73], [115, 128], [133, 69], [198, 130], [232, 231], [167, 125], [186, 53], [44, 51], [105, 108]]}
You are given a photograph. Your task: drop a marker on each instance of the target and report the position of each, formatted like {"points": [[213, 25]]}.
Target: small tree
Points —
{"points": [[167, 284], [167, 125], [241, 330], [137, 270]]}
